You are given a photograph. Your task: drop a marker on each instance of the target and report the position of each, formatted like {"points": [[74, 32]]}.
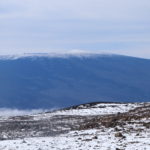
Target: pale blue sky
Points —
{"points": [[115, 26]]}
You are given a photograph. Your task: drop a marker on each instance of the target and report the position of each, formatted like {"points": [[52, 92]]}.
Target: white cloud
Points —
{"points": [[79, 9]]}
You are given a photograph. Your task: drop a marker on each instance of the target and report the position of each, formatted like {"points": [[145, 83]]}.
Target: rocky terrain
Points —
{"points": [[106, 126]]}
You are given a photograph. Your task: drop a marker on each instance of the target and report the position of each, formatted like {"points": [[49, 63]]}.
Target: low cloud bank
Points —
{"points": [[16, 112]]}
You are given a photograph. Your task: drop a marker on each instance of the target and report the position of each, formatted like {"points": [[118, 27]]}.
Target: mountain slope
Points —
{"points": [[46, 82]]}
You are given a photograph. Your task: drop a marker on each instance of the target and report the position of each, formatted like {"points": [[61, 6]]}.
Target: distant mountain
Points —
{"points": [[46, 82]]}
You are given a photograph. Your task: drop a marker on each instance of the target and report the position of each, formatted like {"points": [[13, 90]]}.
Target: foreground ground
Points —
{"points": [[95, 126]]}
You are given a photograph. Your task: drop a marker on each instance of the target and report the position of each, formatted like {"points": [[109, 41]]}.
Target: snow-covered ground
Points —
{"points": [[133, 134], [100, 109], [97, 109], [82, 140]]}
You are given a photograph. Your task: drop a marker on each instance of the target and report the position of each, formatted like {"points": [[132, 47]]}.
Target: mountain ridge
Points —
{"points": [[80, 54]]}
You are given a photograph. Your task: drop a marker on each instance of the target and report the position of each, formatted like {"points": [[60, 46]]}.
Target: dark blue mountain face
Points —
{"points": [[44, 82]]}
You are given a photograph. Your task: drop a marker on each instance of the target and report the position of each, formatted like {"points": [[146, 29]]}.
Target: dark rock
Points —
{"points": [[119, 134], [95, 137], [147, 125]]}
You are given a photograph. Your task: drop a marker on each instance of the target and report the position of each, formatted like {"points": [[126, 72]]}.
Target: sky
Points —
{"points": [[43, 26]]}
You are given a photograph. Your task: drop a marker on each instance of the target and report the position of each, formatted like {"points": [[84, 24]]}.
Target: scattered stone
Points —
{"points": [[24, 141], [147, 125], [119, 149], [95, 137], [87, 140], [137, 134], [119, 134]]}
